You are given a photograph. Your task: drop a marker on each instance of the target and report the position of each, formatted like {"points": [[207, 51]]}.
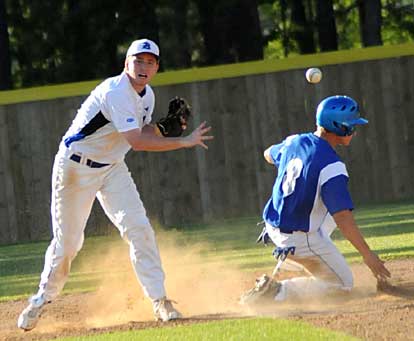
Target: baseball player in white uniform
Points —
{"points": [[310, 198], [90, 163]]}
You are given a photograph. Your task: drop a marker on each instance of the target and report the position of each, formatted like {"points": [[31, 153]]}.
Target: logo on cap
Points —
{"points": [[146, 46]]}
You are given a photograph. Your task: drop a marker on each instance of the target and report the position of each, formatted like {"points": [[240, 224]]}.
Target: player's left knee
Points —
{"points": [[133, 223]]}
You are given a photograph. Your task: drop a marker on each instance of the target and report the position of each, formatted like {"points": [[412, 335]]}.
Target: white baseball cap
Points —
{"points": [[143, 46]]}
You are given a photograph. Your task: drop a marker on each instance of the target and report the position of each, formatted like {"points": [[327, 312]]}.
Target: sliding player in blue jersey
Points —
{"points": [[310, 198]]}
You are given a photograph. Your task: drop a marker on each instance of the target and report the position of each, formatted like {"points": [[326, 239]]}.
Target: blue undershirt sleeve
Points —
{"points": [[335, 194]]}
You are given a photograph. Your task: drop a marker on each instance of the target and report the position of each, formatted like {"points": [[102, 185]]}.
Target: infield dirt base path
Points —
{"points": [[365, 314]]}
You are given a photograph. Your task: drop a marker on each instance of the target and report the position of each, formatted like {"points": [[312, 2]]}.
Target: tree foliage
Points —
{"points": [[56, 41]]}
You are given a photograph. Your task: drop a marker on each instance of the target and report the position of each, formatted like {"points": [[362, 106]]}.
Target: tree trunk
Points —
{"points": [[174, 32], [183, 50], [77, 44], [231, 31], [302, 29], [5, 64], [370, 22], [325, 17], [246, 31]]}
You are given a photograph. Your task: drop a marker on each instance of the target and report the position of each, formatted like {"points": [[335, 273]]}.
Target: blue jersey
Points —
{"points": [[312, 182]]}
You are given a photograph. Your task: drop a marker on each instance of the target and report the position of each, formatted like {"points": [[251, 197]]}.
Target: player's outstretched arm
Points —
{"points": [[346, 223], [147, 140]]}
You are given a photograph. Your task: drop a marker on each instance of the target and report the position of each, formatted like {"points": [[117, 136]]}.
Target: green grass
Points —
{"points": [[21, 265], [389, 230], [228, 330]]}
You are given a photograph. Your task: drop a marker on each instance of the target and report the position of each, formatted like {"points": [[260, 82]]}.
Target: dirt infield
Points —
{"points": [[365, 313]]}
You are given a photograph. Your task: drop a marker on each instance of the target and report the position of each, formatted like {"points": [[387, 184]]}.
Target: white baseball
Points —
{"points": [[313, 75]]}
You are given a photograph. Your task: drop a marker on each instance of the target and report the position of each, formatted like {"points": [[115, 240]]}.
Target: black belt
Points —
{"points": [[89, 163]]}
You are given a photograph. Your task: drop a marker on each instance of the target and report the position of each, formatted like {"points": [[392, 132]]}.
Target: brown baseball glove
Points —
{"points": [[174, 124]]}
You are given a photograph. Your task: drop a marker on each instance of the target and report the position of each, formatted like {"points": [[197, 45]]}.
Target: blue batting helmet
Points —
{"points": [[339, 115]]}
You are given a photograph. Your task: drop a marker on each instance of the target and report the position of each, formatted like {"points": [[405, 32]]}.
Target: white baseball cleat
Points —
{"points": [[264, 291], [31, 314], [164, 310]]}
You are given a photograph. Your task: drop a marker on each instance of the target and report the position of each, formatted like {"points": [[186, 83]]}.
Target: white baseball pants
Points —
{"points": [[319, 256], [74, 188]]}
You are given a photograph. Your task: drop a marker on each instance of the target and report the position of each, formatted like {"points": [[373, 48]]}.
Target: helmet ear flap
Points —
{"points": [[344, 129], [340, 128]]}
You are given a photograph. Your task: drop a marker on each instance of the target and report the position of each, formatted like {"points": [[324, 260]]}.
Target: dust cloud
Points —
{"points": [[197, 285]]}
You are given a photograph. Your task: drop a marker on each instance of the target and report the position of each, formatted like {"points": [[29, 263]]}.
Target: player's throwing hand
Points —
{"points": [[197, 137]]}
